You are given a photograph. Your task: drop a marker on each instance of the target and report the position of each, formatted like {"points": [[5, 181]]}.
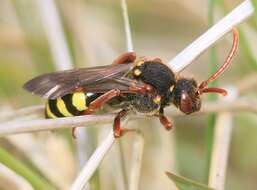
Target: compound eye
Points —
{"points": [[186, 103]]}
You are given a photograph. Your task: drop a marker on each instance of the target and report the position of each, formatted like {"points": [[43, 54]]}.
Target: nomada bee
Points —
{"points": [[128, 84]]}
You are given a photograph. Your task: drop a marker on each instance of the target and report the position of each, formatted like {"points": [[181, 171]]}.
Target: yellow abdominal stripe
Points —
{"points": [[48, 111], [62, 107], [79, 101]]}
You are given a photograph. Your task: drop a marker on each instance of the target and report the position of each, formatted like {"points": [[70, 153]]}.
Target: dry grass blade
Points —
{"points": [[136, 161], [236, 105], [92, 164], [55, 34], [127, 26], [16, 127], [236, 16], [221, 144], [47, 157], [33, 110], [116, 168]]}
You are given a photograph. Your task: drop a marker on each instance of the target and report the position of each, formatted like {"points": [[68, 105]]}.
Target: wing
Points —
{"points": [[124, 84], [94, 79]]}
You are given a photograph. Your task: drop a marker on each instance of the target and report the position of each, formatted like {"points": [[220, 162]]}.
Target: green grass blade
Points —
{"points": [[213, 67], [254, 2], [246, 50], [36, 181], [186, 184]]}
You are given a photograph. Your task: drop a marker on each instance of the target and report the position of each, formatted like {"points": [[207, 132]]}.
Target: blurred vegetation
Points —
{"points": [[95, 36]]}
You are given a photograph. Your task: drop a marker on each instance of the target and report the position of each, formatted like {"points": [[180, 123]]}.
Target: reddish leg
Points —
{"points": [[143, 89], [165, 121], [73, 132], [100, 101], [117, 130], [97, 104], [127, 57], [136, 86]]}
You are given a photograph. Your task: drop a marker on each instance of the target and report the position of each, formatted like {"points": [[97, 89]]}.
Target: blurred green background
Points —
{"points": [[94, 34]]}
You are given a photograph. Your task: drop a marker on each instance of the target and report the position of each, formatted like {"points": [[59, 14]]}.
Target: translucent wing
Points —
{"points": [[94, 79]]}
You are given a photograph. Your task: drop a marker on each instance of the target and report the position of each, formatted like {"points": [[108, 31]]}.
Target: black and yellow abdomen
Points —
{"points": [[69, 105]]}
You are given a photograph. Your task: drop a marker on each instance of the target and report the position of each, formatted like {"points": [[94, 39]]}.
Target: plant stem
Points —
{"points": [[36, 181], [221, 144], [213, 67], [36, 125], [82, 180], [254, 2], [136, 161], [127, 26], [236, 16], [55, 34], [245, 48]]}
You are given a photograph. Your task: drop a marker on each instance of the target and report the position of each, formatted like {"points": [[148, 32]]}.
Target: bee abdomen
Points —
{"points": [[68, 105]]}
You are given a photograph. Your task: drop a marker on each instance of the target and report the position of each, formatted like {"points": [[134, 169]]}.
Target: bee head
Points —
{"points": [[185, 96], [186, 93]]}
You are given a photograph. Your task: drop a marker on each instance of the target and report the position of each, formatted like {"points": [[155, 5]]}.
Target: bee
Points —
{"points": [[128, 84]]}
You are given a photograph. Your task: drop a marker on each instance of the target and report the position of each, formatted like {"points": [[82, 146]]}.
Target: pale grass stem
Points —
{"points": [[55, 34], [90, 167], [235, 17], [116, 167], [88, 170], [127, 26], [221, 144], [41, 124], [62, 57], [61, 178], [136, 161]]}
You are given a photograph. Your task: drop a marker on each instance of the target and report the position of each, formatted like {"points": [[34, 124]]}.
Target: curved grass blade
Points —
{"points": [[183, 183]]}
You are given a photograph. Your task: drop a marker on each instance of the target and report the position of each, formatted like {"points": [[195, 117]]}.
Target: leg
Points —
{"points": [[135, 86], [142, 89], [165, 121], [117, 130], [127, 57], [97, 104], [100, 101]]}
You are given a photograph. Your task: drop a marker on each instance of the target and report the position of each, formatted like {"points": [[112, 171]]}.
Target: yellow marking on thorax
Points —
{"points": [[79, 101], [157, 99], [171, 88], [140, 62], [137, 72], [62, 107], [48, 111]]}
